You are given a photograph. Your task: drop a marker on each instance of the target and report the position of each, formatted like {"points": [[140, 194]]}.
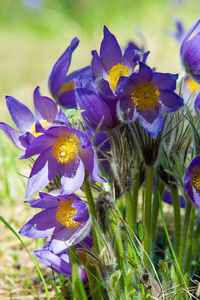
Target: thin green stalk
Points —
{"points": [[196, 242], [155, 210], [184, 234], [90, 199], [147, 216], [177, 219], [129, 211], [78, 287], [188, 257], [119, 248]]}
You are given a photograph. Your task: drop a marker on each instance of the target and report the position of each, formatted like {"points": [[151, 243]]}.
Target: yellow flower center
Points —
{"points": [[196, 180], [65, 149], [192, 85], [66, 86], [44, 124], [65, 213], [115, 73], [146, 95]]}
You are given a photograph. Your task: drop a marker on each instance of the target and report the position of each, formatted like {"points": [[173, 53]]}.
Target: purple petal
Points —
{"points": [[149, 115], [67, 99], [192, 29], [44, 170], [164, 81], [21, 114], [38, 145], [96, 65], [60, 69], [14, 135], [42, 224], [90, 162], [155, 127], [82, 232], [72, 176], [110, 51], [82, 213], [59, 263], [95, 109], [129, 58], [45, 108], [60, 241], [170, 101]]}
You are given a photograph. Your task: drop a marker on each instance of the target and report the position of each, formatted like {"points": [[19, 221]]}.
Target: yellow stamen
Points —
{"points": [[44, 124], [196, 180], [192, 85], [65, 213], [115, 73], [146, 95], [66, 86], [65, 149]]}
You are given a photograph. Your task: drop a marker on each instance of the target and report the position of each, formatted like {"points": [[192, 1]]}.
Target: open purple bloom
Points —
{"points": [[46, 113], [190, 51], [192, 181], [65, 150], [146, 95], [111, 64], [65, 217]]}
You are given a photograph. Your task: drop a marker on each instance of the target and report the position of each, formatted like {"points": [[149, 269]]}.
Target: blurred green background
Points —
{"points": [[34, 33]]}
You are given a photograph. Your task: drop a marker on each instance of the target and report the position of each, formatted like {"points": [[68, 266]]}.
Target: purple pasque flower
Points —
{"points": [[111, 66], [61, 149], [146, 95], [62, 86], [65, 217], [167, 198], [46, 113], [192, 181], [190, 51]]}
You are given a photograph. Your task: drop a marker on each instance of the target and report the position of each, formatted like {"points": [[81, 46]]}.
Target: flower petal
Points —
{"points": [[72, 176], [44, 170], [170, 101], [45, 108], [60, 69], [42, 224], [110, 51], [14, 135], [21, 114], [155, 127]]}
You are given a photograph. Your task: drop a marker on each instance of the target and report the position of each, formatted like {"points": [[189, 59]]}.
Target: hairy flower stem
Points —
{"points": [[177, 219], [130, 212], [147, 216], [188, 257], [119, 249], [195, 248], [155, 209], [78, 287], [135, 190], [92, 210], [184, 233]]}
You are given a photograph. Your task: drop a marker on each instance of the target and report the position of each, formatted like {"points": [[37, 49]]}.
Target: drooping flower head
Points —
{"points": [[61, 149], [64, 217], [192, 181], [190, 51], [61, 262], [46, 113], [146, 95]]}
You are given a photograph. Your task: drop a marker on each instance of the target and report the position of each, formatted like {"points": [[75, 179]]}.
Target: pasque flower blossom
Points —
{"points": [[192, 181], [46, 113], [61, 149], [190, 51], [61, 85], [65, 217], [146, 95]]}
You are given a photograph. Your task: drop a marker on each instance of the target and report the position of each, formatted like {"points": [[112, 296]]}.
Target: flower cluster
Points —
{"points": [[116, 121]]}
